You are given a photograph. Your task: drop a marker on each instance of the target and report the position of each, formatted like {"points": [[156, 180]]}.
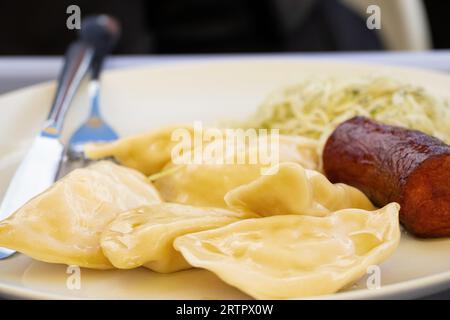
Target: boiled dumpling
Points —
{"points": [[144, 236], [64, 223], [147, 153], [291, 189], [206, 184], [295, 256]]}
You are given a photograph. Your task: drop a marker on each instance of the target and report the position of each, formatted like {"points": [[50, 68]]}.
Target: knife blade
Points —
{"points": [[39, 168], [35, 174]]}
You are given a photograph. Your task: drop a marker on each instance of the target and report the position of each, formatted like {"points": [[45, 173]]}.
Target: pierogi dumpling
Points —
{"points": [[64, 223], [294, 256], [147, 153], [291, 189], [206, 184], [144, 236]]}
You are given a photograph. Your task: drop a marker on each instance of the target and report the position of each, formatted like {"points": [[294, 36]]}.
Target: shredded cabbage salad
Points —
{"points": [[315, 107]]}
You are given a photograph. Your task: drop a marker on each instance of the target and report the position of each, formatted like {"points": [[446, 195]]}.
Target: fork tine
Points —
{"points": [[103, 31], [95, 129]]}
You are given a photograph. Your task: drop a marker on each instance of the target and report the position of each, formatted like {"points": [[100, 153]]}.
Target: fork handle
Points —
{"points": [[77, 61]]}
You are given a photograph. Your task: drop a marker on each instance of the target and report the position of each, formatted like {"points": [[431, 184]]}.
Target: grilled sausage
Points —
{"points": [[392, 164]]}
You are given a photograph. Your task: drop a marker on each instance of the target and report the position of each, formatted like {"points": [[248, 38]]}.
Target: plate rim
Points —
{"points": [[384, 292]]}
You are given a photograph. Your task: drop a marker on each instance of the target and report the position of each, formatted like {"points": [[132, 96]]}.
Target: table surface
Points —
{"points": [[18, 72]]}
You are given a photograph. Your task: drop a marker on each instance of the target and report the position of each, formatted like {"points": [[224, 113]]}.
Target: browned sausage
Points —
{"points": [[391, 164]]}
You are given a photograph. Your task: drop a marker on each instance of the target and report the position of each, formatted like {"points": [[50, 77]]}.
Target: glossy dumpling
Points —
{"points": [[206, 184], [64, 223], [291, 189], [293, 256], [147, 153], [144, 236]]}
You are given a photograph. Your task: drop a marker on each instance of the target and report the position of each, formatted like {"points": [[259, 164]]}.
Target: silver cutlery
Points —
{"points": [[44, 161], [104, 32], [39, 168]]}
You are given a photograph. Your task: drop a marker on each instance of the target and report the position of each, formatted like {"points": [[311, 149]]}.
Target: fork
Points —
{"points": [[103, 32]]}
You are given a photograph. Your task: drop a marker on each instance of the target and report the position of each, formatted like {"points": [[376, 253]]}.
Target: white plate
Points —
{"points": [[139, 99]]}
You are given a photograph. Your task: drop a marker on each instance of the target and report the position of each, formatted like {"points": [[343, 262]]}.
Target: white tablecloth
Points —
{"points": [[16, 72]]}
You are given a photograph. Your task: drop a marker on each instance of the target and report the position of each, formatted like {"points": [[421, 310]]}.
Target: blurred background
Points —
{"points": [[230, 26]]}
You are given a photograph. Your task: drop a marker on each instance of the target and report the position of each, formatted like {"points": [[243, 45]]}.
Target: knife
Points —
{"points": [[39, 168]]}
